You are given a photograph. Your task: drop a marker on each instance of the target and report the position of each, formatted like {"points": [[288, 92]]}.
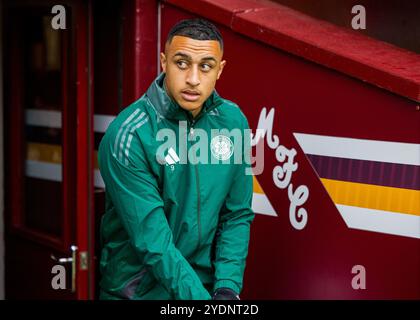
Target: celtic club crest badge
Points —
{"points": [[221, 147]]}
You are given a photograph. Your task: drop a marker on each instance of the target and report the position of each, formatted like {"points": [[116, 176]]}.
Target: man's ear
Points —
{"points": [[163, 61], [222, 65]]}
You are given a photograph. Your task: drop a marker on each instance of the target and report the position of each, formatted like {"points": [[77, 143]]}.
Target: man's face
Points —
{"points": [[192, 68]]}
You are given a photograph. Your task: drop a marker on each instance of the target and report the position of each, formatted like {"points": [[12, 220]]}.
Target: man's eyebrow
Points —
{"points": [[209, 58], [188, 57], [184, 55]]}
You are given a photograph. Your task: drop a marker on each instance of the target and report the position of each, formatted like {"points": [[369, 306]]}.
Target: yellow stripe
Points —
{"points": [[257, 186], [373, 196], [44, 152], [49, 153]]}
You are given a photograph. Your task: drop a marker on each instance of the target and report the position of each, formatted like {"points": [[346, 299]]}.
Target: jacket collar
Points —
{"points": [[169, 108]]}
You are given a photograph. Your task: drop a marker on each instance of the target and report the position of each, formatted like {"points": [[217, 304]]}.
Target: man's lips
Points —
{"points": [[190, 95]]}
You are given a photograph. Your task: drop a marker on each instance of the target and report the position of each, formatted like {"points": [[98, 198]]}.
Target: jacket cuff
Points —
{"points": [[226, 284]]}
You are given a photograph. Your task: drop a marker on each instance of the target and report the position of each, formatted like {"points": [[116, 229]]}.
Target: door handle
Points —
{"points": [[72, 260]]}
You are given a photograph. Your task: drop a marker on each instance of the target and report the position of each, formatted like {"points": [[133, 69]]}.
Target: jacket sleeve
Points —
{"points": [[233, 233], [133, 190]]}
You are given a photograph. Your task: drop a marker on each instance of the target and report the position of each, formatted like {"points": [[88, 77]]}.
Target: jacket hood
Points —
{"points": [[169, 108]]}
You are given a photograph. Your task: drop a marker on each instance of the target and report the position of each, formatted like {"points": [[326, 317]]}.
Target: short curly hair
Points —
{"points": [[197, 29]]}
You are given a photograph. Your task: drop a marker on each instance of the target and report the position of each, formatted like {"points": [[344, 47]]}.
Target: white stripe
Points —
{"points": [[125, 133], [52, 119], [52, 172], [98, 181], [350, 148], [43, 118], [400, 224], [121, 130], [261, 205], [173, 154], [127, 150], [101, 122], [130, 137], [43, 170]]}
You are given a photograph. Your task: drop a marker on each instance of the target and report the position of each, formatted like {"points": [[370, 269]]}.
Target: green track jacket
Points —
{"points": [[174, 229]]}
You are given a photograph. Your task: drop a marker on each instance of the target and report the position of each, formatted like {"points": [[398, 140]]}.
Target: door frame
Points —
{"points": [[82, 228], [85, 224]]}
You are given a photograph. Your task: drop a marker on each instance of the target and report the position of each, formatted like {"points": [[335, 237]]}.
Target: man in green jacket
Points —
{"points": [[176, 167]]}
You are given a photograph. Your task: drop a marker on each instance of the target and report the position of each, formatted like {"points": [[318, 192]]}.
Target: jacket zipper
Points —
{"points": [[198, 190]]}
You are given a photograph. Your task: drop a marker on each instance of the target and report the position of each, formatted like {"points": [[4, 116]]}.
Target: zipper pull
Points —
{"points": [[192, 127]]}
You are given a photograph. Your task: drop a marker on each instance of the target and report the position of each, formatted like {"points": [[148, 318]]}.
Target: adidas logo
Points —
{"points": [[171, 158]]}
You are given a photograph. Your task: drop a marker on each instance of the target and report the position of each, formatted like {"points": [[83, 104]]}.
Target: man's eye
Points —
{"points": [[181, 64], [206, 67]]}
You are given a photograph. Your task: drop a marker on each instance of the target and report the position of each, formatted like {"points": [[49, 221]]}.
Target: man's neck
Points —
{"points": [[196, 112]]}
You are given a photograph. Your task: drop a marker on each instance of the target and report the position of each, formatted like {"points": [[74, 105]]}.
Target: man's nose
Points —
{"points": [[193, 78]]}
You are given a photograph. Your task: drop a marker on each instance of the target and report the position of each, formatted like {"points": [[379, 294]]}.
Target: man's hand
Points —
{"points": [[225, 294]]}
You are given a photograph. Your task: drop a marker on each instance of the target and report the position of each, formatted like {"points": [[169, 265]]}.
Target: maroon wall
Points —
{"points": [[316, 261]]}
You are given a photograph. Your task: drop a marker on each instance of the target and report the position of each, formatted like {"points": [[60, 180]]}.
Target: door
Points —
{"points": [[48, 151]]}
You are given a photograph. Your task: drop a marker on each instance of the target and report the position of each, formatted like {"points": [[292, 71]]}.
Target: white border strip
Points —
{"points": [[52, 119], [44, 170], [98, 181], [53, 172], [400, 224], [43, 118], [350, 148], [261, 205], [101, 122]]}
